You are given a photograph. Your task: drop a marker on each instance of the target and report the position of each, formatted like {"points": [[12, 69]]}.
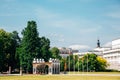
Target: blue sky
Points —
{"points": [[67, 23]]}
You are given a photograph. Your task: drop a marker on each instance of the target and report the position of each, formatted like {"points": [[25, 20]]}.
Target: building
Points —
{"points": [[111, 54], [98, 51], [64, 52]]}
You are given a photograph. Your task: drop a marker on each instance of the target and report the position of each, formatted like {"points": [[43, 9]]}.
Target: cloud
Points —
{"points": [[53, 19], [45, 14], [57, 37], [108, 44], [79, 47], [89, 30], [61, 40]]}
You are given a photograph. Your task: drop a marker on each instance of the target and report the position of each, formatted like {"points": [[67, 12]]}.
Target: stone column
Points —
{"points": [[34, 70], [59, 68], [50, 71], [9, 70], [20, 70]]}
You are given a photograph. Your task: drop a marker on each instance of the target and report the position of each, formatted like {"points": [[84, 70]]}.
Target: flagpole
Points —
{"points": [[69, 61], [78, 64]]}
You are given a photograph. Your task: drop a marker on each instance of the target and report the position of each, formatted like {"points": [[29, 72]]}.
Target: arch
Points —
{"points": [[46, 69], [41, 67]]}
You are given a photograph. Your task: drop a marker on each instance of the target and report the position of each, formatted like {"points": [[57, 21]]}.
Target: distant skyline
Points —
{"points": [[67, 23]]}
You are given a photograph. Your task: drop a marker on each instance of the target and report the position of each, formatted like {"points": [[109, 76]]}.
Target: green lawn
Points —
{"points": [[93, 72], [66, 77]]}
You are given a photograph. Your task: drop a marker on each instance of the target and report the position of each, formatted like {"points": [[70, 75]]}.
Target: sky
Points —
{"points": [[74, 24]]}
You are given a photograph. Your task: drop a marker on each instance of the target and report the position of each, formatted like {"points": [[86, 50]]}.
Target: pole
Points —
{"points": [[87, 63], [74, 63], [69, 63], [78, 64], [82, 66]]}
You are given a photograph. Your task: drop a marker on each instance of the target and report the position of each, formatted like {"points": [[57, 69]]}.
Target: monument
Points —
{"points": [[42, 67]]}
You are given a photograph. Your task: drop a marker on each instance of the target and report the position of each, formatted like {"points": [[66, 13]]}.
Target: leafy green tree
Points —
{"points": [[71, 62], [32, 46], [44, 49], [102, 63], [91, 62], [62, 64], [2, 55], [5, 42], [29, 46], [8, 44], [79, 65], [15, 41], [55, 53]]}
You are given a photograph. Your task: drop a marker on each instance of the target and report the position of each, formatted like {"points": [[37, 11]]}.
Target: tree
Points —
{"points": [[15, 41], [44, 45], [79, 64], [92, 62], [102, 63], [5, 46], [29, 46], [62, 64], [55, 53], [8, 44], [71, 62], [2, 34], [32, 46]]}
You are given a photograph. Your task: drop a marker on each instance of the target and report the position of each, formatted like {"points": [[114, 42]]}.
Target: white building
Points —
{"points": [[64, 52], [111, 54]]}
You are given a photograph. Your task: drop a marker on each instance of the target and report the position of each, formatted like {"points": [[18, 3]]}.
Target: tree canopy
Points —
{"points": [[55, 53], [89, 62], [8, 45], [32, 46]]}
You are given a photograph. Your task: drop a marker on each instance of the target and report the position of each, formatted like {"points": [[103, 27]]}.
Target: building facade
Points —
{"points": [[64, 52], [111, 54]]}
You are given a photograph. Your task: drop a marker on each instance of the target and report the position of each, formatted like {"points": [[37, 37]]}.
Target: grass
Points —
{"points": [[93, 72], [64, 77]]}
